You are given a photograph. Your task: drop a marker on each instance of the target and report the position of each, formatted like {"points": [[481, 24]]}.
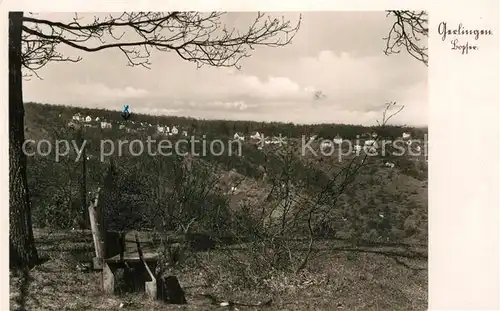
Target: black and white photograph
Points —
{"points": [[191, 160]]}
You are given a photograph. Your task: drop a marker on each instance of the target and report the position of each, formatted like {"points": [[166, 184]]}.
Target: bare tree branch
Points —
{"points": [[407, 31], [197, 37]]}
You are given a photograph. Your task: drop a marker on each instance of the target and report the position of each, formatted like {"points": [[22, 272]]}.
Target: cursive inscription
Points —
{"points": [[464, 48], [462, 45]]}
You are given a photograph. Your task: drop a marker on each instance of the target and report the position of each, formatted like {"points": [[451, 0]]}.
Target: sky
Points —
{"points": [[337, 53]]}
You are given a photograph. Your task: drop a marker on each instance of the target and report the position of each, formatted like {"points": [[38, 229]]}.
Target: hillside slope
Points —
{"points": [[370, 233], [399, 193]]}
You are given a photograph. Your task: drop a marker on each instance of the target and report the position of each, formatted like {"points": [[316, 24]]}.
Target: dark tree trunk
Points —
{"points": [[22, 243], [83, 189], [84, 219]]}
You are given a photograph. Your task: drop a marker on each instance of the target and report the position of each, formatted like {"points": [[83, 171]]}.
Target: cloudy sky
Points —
{"points": [[337, 53]]}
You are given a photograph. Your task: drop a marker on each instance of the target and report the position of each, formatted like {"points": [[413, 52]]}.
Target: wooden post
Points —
{"points": [[83, 179], [150, 287], [108, 279], [101, 222], [96, 233]]}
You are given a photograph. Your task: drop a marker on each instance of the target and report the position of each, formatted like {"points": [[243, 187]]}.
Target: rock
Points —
{"points": [[170, 291]]}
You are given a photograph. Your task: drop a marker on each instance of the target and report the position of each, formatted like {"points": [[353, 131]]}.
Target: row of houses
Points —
{"points": [[258, 137], [162, 129], [255, 136], [103, 125], [89, 121], [79, 118], [170, 131], [337, 140], [372, 145]]}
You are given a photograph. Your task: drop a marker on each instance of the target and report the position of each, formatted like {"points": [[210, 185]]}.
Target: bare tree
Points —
{"points": [[201, 38], [331, 192], [305, 208]]}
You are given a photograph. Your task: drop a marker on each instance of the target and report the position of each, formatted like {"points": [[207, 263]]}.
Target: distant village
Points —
{"points": [[96, 122], [91, 122], [369, 139]]}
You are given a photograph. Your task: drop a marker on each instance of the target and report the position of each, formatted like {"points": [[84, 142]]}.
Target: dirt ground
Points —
{"points": [[377, 277]]}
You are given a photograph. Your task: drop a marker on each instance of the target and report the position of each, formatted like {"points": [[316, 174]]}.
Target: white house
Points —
{"points": [[105, 125], [88, 119], [337, 140], [256, 135], [184, 133], [77, 117], [160, 129], [238, 136], [97, 119], [406, 135], [175, 131]]}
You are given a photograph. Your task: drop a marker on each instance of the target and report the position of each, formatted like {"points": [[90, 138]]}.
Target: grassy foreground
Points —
{"points": [[375, 277]]}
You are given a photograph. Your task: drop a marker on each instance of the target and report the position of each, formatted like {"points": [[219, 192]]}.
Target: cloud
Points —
{"points": [[356, 90], [226, 86], [273, 88], [156, 111], [99, 91], [273, 85], [236, 105]]}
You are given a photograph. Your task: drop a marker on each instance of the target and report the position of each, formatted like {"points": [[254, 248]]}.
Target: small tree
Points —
{"points": [[299, 203]]}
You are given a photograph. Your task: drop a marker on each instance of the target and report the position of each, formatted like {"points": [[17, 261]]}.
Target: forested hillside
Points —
{"points": [[376, 203]]}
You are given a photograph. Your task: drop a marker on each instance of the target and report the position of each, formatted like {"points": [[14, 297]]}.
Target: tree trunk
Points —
{"points": [[22, 243], [84, 220]]}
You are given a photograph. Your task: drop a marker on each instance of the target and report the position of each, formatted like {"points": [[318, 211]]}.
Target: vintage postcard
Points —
{"points": [[252, 156]]}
